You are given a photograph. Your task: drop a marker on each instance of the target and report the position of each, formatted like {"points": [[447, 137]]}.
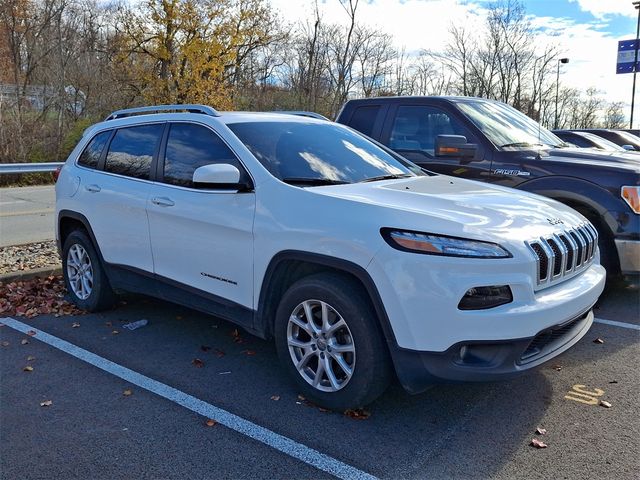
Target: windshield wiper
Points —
{"points": [[385, 177], [312, 182], [521, 144]]}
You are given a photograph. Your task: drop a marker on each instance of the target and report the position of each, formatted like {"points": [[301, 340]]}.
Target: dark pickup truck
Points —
{"points": [[489, 141]]}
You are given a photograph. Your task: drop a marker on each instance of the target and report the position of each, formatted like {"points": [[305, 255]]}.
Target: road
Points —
{"points": [[92, 430], [26, 214]]}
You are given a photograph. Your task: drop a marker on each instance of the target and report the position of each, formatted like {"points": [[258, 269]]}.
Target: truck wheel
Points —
{"points": [[608, 252], [84, 275], [328, 339]]}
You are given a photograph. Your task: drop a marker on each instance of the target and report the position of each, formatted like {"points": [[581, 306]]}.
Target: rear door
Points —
{"points": [[412, 129], [114, 195], [201, 238]]}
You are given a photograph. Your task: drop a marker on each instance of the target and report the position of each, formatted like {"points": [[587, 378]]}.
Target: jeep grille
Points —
{"points": [[564, 254]]}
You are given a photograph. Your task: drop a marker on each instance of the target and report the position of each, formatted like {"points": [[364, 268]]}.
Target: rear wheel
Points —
{"points": [[84, 274], [328, 339]]}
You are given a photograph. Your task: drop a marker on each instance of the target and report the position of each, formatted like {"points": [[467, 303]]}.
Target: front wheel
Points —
{"points": [[328, 339]]}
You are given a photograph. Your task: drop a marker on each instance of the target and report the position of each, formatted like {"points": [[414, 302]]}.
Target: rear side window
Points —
{"points": [[132, 150], [191, 146], [364, 118], [93, 151]]}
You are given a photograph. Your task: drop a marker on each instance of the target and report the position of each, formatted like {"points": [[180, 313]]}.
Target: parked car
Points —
{"points": [[489, 141], [353, 259], [626, 140], [587, 140]]}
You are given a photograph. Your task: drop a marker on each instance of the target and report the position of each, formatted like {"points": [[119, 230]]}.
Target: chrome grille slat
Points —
{"points": [[563, 254]]}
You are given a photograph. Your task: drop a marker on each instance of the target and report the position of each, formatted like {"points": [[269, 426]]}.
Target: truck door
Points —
{"points": [[411, 130]]}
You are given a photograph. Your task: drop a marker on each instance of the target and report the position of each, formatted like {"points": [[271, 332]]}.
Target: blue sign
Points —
{"points": [[627, 55]]}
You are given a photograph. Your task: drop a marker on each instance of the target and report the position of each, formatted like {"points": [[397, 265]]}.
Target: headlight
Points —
{"points": [[631, 195], [431, 244]]}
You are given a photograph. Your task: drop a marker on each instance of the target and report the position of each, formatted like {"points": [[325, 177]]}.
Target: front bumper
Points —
{"points": [[629, 255], [483, 361]]}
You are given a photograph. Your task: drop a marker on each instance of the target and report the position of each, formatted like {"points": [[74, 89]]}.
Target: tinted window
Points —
{"points": [[363, 118], [416, 127], [191, 146], [91, 155], [132, 150], [298, 151]]}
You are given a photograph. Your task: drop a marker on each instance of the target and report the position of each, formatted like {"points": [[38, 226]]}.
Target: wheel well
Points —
{"points": [[289, 271], [68, 225]]}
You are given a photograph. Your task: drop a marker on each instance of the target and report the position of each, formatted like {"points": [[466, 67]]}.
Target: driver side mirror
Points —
{"points": [[219, 176], [628, 147], [454, 146]]}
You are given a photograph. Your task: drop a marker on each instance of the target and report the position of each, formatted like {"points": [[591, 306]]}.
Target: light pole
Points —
{"points": [[636, 5], [560, 60]]}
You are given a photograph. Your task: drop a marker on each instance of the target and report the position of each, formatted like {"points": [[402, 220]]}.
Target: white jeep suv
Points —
{"points": [[358, 263]]}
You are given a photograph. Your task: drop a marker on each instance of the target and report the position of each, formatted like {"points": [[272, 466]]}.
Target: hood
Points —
{"points": [[599, 158], [457, 207]]}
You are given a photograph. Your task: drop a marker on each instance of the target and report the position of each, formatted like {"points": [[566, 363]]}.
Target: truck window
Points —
{"points": [[364, 118], [415, 128]]}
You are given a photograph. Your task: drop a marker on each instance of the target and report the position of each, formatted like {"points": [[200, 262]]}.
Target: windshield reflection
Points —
{"points": [[507, 127]]}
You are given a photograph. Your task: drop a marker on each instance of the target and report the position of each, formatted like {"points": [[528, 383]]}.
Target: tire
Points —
{"points": [[84, 274], [608, 252], [350, 340]]}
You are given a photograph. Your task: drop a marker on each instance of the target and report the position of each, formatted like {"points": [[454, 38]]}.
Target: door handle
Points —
{"points": [[92, 188], [163, 201]]}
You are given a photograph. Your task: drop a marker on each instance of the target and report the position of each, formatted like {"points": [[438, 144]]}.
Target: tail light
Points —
{"points": [[56, 174]]}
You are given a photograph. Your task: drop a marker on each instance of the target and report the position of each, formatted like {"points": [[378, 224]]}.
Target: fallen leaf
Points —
{"points": [[210, 422], [75, 325], [115, 332], [357, 413], [46, 403], [205, 348], [219, 353], [196, 362], [557, 368], [538, 444], [249, 352], [541, 431], [24, 341], [30, 358], [31, 333], [5, 344], [275, 398], [127, 393], [28, 368], [235, 333], [598, 340], [301, 398], [605, 404]]}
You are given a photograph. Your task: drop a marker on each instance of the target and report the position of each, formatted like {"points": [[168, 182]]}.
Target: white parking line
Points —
{"points": [[279, 442], [613, 323]]}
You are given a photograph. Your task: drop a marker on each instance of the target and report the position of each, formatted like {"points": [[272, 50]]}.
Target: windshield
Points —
{"points": [[602, 142], [507, 127], [315, 153]]}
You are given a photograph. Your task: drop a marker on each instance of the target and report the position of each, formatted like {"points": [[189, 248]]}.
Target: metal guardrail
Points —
{"points": [[6, 168]]}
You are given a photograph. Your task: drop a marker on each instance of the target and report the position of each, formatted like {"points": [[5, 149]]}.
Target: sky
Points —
{"points": [[585, 31]]}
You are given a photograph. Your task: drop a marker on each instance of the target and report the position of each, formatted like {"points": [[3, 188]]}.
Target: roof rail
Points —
{"points": [[302, 113], [191, 108]]}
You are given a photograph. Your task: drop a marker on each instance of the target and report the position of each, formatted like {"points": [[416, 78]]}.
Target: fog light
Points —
{"points": [[480, 298]]}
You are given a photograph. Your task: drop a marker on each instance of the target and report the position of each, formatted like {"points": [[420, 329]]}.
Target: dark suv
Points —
{"points": [[489, 141]]}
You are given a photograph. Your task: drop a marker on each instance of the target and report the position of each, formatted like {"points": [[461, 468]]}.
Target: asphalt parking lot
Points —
{"points": [[104, 420]]}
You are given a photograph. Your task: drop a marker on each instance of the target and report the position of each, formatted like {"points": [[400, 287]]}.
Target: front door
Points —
{"points": [[413, 134], [201, 238]]}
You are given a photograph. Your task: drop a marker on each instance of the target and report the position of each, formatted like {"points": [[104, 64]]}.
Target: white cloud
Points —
{"points": [[602, 8]]}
